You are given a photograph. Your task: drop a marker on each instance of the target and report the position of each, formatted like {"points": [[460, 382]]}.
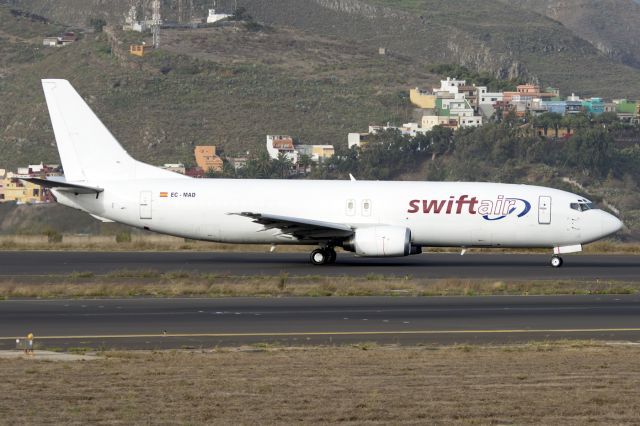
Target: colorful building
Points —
{"points": [[594, 106], [207, 159], [422, 99]]}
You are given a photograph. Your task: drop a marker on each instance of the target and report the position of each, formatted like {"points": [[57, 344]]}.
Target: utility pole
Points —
{"points": [[155, 23]]}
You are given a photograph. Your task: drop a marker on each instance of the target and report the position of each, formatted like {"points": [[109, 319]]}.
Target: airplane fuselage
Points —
{"points": [[437, 213]]}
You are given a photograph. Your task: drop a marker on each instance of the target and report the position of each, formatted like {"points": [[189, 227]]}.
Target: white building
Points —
{"points": [[215, 17], [281, 143], [450, 85], [356, 139], [488, 98]]}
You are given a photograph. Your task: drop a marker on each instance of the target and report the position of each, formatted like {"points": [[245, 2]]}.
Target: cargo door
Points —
{"points": [[145, 204], [544, 210]]}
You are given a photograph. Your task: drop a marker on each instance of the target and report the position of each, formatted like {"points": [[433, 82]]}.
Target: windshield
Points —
{"points": [[582, 205]]}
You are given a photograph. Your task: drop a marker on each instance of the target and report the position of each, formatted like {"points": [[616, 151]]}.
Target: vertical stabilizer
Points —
{"points": [[88, 151]]}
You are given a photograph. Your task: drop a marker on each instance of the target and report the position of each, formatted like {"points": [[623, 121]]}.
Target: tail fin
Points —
{"points": [[88, 151]]}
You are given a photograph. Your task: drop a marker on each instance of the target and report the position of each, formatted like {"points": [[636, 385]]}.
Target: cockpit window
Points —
{"points": [[582, 205]]}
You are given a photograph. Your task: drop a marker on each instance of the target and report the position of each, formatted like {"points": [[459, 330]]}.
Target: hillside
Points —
{"points": [[585, 46], [500, 37], [224, 86], [609, 25]]}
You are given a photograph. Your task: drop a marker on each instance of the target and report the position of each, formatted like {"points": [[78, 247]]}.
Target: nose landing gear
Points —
{"points": [[323, 256], [556, 261]]}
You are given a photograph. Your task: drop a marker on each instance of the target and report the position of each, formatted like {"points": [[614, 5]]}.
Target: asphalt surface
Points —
{"points": [[189, 322], [430, 265]]}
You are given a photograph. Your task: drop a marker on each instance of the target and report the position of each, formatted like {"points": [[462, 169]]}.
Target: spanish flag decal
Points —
{"points": [[164, 194]]}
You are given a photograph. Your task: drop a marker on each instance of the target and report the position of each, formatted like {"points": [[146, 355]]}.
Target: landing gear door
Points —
{"points": [[544, 210], [145, 204]]}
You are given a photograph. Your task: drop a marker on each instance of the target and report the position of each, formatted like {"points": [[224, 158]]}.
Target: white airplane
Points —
{"points": [[370, 218]]}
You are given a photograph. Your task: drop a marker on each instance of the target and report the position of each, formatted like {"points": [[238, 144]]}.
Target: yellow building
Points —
{"points": [[422, 99], [322, 151], [139, 49], [430, 121], [207, 159], [13, 189]]}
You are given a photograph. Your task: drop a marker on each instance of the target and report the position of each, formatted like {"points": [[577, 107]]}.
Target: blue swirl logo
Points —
{"points": [[514, 205]]}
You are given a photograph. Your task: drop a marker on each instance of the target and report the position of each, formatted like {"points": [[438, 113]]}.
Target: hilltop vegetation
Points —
{"points": [[205, 87]]}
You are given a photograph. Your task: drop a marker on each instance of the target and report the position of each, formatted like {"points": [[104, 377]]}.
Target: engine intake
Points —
{"points": [[381, 241]]}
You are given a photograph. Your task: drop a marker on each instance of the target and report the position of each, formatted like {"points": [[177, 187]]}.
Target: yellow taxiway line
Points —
{"points": [[338, 333]]}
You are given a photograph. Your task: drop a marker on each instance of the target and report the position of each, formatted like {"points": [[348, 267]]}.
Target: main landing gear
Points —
{"points": [[556, 261], [323, 256]]}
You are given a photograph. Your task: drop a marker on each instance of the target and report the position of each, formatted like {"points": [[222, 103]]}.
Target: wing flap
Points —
{"points": [[301, 228]]}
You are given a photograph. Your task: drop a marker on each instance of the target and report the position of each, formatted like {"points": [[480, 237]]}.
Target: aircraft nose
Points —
{"points": [[610, 224]]}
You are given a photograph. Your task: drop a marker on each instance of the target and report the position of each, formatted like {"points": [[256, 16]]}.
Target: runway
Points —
{"points": [[195, 323], [429, 265]]}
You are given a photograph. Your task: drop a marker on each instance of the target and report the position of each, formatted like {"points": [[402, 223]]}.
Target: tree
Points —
{"points": [[282, 165], [97, 24], [589, 149]]}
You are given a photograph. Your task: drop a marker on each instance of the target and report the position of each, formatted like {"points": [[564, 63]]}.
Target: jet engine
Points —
{"points": [[381, 241]]}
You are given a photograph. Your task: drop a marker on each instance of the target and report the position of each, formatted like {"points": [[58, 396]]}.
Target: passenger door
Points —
{"points": [[544, 210], [145, 204]]}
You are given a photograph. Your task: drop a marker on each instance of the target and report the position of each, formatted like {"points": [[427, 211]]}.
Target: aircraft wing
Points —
{"points": [[302, 229], [63, 185]]}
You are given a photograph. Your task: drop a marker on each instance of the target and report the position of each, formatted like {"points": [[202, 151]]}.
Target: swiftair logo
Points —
{"points": [[496, 209]]}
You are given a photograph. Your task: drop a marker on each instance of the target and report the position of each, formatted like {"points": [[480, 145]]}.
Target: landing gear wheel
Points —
{"points": [[556, 261], [332, 255], [319, 257]]}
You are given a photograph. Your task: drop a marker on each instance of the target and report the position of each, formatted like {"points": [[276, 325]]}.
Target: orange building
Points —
{"points": [[139, 49], [207, 159], [529, 91]]}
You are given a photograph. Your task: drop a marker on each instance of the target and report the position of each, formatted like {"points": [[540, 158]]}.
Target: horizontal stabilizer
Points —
{"points": [[62, 185]]}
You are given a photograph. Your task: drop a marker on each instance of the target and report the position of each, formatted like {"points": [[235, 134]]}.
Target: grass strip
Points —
{"points": [[173, 284]]}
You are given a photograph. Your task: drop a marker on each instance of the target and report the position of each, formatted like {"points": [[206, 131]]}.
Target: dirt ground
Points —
{"points": [[566, 383]]}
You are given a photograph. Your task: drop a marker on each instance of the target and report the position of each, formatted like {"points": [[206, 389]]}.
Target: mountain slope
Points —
{"points": [[204, 87], [609, 25]]}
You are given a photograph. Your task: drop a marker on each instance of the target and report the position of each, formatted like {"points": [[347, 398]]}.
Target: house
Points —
{"points": [[51, 42], [12, 189], [318, 153], [68, 38], [207, 159], [430, 121], [356, 139], [277, 144], [528, 92], [139, 49], [215, 17], [422, 99], [450, 85], [626, 111], [594, 106]]}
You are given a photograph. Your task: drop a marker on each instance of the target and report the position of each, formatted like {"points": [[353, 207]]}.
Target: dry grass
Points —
{"points": [[171, 284], [157, 242], [569, 383]]}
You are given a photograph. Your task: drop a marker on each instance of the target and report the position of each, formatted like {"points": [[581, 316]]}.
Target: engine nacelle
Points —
{"points": [[380, 241]]}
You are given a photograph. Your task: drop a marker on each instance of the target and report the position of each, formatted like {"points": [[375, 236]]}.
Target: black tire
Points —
{"points": [[319, 257], [332, 255], [556, 261]]}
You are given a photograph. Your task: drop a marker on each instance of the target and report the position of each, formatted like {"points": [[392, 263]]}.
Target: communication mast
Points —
{"points": [[155, 23]]}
